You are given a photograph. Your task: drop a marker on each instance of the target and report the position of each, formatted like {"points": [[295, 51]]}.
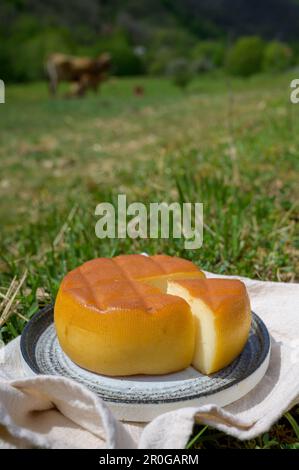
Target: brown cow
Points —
{"points": [[83, 72]]}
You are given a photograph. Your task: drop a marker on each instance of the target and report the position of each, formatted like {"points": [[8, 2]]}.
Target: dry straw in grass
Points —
{"points": [[9, 298]]}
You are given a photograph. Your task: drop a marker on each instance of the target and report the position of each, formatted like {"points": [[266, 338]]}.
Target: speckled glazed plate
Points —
{"points": [[141, 398]]}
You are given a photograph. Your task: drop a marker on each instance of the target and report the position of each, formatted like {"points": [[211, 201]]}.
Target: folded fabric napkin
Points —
{"points": [[55, 412]]}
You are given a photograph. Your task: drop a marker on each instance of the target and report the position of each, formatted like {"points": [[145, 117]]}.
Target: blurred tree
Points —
{"points": [[277, 57], [207, 55], [180, 71], [125, 60], [245, 56], [158, 60], [167, 44], [23, 52]]}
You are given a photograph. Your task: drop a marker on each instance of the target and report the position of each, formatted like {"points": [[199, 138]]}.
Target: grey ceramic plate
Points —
{"points": [[141, 398]]}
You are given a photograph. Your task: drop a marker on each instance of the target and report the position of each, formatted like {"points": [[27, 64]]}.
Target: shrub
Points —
{"points": [[207, 55], [246, 56], [125, 62], [23, 52], [277, 57], [7, 72], [173, 38], [159, 60], [166, 45], [180, 72], [32, 53]]}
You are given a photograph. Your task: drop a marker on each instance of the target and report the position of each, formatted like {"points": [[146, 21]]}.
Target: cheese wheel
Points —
{"points": [[113, 317], [222, 315]]}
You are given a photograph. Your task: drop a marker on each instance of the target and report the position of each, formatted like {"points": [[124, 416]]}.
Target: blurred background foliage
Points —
{"points": [[152, 37]]}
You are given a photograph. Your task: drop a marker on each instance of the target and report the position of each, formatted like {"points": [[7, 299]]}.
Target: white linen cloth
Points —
{"points": [[55, 412]]}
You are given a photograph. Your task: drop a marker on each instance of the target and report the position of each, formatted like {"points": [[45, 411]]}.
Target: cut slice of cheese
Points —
{"points": [[222, 315]]}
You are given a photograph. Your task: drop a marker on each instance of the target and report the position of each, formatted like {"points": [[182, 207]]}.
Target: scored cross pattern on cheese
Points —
{"points": [[134, 314]]}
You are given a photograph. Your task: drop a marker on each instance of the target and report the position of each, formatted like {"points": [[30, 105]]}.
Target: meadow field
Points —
{"points": [[232, 144]]}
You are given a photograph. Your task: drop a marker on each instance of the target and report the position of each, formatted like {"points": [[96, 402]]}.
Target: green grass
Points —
{"points": [[232, 145]]}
